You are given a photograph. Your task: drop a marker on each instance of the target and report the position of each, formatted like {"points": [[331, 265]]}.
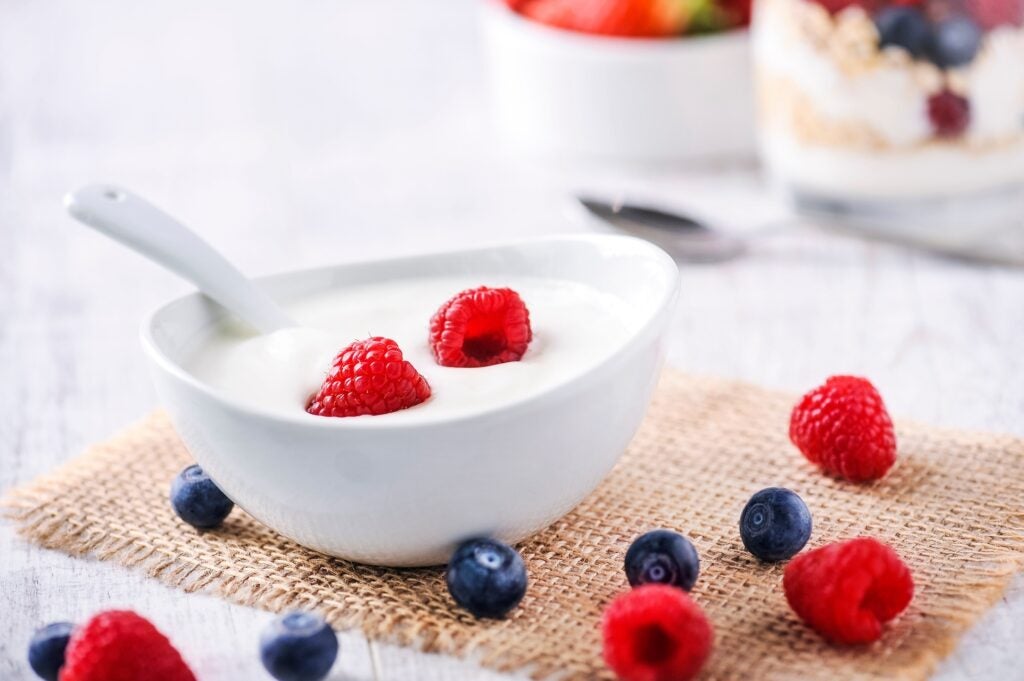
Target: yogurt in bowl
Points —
{"points": [[576, 326], [502, 450]]}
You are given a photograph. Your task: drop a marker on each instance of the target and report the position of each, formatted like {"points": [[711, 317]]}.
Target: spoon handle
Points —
{"points": [[141, 226]]}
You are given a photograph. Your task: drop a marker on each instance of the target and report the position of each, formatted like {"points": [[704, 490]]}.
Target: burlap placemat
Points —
{"points": [[952, 507]]}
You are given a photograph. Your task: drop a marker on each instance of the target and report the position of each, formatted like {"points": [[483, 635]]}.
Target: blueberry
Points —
{"points": [[954, 42], [197, 500], [486, 577], [775, 524], [46, 649], [298, 646], [662, 557], [903, 26]]}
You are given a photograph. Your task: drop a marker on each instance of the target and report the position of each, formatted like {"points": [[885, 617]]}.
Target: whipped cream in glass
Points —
{"points": [[574, 328], [874, 104]]}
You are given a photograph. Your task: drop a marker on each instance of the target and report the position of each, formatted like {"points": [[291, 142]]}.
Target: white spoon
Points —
{"points": [[146, 229]]}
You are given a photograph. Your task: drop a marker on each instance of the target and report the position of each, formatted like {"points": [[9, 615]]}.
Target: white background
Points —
{"points": [[298, 134]]}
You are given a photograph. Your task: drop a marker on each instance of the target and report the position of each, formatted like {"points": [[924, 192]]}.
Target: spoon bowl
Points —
{"points": [[685, 237]]}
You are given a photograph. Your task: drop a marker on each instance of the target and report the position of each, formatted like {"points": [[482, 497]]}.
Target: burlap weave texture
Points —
{"points": [[952, 507]]}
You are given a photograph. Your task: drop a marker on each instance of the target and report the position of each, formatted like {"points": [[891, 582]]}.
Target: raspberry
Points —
{"points": [[994, 13], [950, 113], [843, 427], [837, 6], [846, 591], [656, 632], [119, 645], [369, 377], [480, 327]]}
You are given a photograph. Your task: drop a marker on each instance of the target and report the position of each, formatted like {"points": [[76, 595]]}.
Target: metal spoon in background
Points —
{"points": [[684, 237], [976, 240]]}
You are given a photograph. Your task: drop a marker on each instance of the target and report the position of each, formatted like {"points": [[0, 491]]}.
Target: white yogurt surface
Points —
{"points": [[574, 328]]}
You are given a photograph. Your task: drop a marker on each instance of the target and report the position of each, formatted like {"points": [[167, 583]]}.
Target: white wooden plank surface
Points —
{"points": [[296, 134]]}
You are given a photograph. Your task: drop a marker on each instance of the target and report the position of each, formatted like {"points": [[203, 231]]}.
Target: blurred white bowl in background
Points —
{"points": [[557, 93]]}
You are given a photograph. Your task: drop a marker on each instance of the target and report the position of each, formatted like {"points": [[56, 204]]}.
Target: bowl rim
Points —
{"points": [[172, 368], [498, 10]]}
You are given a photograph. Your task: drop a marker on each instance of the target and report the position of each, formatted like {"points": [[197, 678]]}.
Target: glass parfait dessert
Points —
{"points": [[872, 105]]}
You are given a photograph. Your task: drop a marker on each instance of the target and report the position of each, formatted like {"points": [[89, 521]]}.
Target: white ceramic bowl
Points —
{"points": [[404, 494], [556, 93]]}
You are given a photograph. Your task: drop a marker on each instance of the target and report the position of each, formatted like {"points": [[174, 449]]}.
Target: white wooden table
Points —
{"points": [[297, 134]]}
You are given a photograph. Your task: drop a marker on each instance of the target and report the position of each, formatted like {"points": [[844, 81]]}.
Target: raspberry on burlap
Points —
{"points": [[843, 427], [847, 590]]}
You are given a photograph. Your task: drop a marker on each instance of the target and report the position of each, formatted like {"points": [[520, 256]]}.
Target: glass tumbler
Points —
{"points": [[894, 110]]}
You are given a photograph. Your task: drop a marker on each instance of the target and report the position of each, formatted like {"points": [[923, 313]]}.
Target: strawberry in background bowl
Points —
{"points": [[621, 80], [637, 18]]}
